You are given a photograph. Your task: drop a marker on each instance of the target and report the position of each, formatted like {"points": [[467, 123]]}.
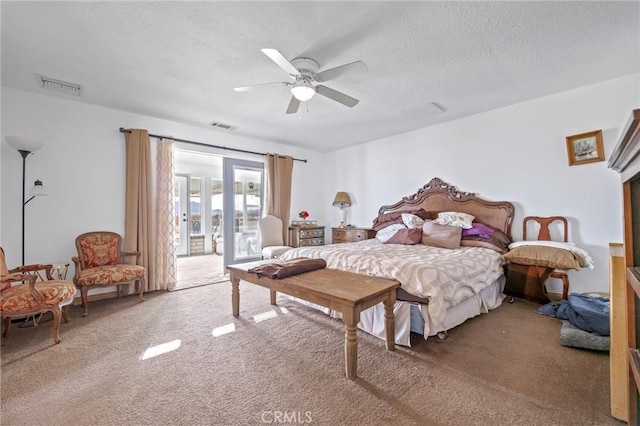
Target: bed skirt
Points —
{"points": [[413, 317]]}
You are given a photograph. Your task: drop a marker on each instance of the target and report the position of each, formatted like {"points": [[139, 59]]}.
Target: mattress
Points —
{"points": [[443, 276]]}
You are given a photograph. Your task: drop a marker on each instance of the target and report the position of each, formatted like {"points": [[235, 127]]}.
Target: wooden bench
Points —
{"points": [[345, 292]]}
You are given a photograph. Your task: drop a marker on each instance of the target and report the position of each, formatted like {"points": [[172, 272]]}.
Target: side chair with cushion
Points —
{"points": [[544, 234], [100, 264], [270, 236], [31, 298]]}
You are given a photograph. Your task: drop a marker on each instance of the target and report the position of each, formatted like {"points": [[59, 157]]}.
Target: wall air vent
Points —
{"points": [[59, 86], [222, 126]]}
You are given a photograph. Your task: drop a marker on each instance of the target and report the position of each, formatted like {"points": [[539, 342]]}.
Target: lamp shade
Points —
{"points": [[38, 189], [22, 144], [342, 200]]}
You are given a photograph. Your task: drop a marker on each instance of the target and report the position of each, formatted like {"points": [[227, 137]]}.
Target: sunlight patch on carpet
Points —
{"points": [[160, 349], [284, 310], [222, 330], [265, 316]]}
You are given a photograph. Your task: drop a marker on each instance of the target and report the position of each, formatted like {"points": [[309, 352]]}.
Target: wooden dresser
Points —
{"points": [[351, 235], [304, 236], [624, 160]]}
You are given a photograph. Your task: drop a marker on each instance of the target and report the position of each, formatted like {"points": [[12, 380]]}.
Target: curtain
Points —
{"points": [[165, 217], [278, 170], [138, 221]]}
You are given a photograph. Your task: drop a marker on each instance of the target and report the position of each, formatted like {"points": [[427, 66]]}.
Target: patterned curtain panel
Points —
{"points": [[279, 171], [139, 232], [165, 217]]}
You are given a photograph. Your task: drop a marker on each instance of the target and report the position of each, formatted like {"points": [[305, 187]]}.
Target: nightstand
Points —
{"points": [[351, 235], [304, 236]]}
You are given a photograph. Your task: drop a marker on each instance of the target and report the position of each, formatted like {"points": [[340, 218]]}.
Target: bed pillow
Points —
{"points": [[387, 232], [479, 229], [436, 235], [412, 221], [459, 219], [406, 236], [391, 218], [551, 257], [581, 255], [498, 241]]}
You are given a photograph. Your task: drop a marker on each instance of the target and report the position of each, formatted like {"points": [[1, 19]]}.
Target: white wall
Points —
{"points": [[82, 166], [517, 153]]}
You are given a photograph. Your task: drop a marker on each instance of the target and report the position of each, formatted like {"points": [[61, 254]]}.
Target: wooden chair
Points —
{"points": [[270, 237], [99, 264], [544, 234], [31, 298]]}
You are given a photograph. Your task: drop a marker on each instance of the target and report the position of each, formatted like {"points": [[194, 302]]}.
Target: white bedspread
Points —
{"points": [[443, 276]]}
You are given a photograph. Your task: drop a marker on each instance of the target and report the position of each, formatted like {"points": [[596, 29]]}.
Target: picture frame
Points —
{"points": [[585, 148]]}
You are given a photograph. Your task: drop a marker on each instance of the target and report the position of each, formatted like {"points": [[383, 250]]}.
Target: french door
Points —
{"points": [[242, 208]]}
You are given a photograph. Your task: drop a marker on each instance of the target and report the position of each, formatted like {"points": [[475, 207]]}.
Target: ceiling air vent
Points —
{"points": [[222, 126], [59, 86]]}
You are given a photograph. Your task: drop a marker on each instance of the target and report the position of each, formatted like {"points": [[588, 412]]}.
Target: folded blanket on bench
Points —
{"points": [[287, 268]]}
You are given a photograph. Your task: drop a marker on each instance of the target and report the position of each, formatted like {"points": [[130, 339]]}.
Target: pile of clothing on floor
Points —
{"points": [[585, 320]]}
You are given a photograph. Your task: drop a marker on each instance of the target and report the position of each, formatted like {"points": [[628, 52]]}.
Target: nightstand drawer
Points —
{"points": [[311, 242], [311, 233], [351, 235]]}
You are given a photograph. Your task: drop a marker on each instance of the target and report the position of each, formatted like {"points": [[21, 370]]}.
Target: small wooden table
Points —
{"points": [[344, 292]]}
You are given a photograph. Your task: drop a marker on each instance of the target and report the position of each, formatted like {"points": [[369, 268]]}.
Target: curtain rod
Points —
{"points": [[123, 130]]}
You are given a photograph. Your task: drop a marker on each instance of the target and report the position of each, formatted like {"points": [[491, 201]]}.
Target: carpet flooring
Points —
{"points": [[200, 270], [285, 364]]}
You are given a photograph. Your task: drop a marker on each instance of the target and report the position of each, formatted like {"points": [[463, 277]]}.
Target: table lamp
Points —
{"points": [[343, 201]]}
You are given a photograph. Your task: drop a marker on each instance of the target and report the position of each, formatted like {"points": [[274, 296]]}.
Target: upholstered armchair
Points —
{"points": [[30, 297], [100, 264]]}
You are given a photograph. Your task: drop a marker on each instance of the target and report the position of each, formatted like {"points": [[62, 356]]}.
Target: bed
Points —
{"points": [[440, 287]]}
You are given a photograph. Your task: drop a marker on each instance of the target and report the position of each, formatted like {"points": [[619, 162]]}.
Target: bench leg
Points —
{"points": [[235, 294], [389, 321], [351, 319]]}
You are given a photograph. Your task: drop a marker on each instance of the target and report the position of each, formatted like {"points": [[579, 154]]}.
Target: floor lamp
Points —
{"points": [[25, 148]]}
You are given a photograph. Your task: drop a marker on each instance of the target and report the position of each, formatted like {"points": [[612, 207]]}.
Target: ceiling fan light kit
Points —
{"points": [[303, 90], [304, 72]]}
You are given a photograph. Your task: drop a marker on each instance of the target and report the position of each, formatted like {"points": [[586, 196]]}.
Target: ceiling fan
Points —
{"points": [[304, 72]]}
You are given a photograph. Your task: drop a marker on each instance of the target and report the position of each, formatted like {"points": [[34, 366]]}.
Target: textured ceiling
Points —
{"points": [[181, 60]]}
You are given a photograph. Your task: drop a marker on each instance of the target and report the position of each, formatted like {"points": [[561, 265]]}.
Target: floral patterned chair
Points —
{"points": [[99, 264], [31, 298]]}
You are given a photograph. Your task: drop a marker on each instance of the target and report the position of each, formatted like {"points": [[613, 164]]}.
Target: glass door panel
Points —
{"points": [[217, 197], [243, 184], [181, 202]]}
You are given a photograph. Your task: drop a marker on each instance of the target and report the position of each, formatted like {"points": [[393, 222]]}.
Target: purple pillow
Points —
{"points": [[480, 230]]}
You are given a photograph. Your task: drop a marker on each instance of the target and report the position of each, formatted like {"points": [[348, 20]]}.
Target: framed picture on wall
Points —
{"points": [[585, 148]]}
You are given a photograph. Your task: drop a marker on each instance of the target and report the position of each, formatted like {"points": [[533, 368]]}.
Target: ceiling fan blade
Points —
{"points": [[333, 73], [281, 61], [294, 104], [260, 86], [337, 96]]}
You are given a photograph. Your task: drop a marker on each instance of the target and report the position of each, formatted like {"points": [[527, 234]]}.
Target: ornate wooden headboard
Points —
{"points": [[438, 196]]}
